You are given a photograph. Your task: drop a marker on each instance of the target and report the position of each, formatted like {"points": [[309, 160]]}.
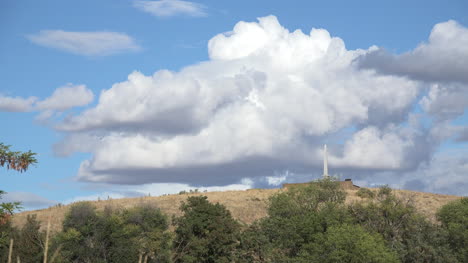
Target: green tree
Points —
{"points": [[114, 235], [151, 235], [296, 216], [254, 245], [6, 232], [79, 237], [405, 231], [347, 243], [454, 218], [29, 241], [206, 232]]}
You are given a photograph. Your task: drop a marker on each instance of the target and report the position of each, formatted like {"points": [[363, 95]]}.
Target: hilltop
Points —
{"points": [[246, 206]]}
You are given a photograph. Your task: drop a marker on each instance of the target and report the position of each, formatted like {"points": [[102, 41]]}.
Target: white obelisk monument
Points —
{"points": [[325, 162]]}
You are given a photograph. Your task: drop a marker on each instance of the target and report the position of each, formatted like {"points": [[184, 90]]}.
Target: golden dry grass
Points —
{"points": [[246, 206]]}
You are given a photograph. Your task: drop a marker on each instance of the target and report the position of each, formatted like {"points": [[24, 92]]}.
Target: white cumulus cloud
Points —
{"points": [[446, 101], [442, 58], [62, 99], [264, 103]]}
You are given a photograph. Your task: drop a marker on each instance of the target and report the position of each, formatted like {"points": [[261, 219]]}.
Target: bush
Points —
{"points": [[365, 193]]}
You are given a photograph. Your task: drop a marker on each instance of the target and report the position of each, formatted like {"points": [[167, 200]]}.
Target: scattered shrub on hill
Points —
{"points": [[206, 232], [365, 193], [454, 219]]}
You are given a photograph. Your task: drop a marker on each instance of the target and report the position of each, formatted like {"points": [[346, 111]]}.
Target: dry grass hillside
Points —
{"points": [[246, 206]]}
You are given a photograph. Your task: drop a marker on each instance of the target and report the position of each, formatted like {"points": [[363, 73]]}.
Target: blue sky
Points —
{"points": [[385, 79]]}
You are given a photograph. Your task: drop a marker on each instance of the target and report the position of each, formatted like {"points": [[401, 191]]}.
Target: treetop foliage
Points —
{"points": [[454, 219], [205, 233], [18, 161]]}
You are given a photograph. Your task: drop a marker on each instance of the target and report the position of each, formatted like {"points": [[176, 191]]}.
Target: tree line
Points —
{"points": [[308, 223]]}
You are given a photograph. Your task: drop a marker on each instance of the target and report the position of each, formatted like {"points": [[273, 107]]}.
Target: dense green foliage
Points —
{"points": [[308, 223], [454, 219], [205, 233], [405, 231], [114, 236], [347, 243], [29, 241]]}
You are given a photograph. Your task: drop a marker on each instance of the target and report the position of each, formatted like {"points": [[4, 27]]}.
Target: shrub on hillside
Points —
{"points": [[365, 193]]}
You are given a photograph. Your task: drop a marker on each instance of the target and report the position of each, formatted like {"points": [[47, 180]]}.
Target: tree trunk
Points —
{"points": [[47, 241], [10, 252]]}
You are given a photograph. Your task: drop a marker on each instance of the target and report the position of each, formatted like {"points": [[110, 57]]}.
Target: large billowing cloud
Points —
{"points": [[441, 59], [265, 102]]}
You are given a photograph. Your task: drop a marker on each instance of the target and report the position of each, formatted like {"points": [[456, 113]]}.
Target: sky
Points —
{"points": [[125, 98]]}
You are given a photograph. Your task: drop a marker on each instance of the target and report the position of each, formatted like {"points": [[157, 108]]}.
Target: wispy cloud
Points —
{"points": [[86, 43], [167, 8], [62, 99], [29, 200], [16, 104]]}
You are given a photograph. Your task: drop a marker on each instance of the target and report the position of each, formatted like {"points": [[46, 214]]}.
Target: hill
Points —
{"points": [[246, 206]]}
